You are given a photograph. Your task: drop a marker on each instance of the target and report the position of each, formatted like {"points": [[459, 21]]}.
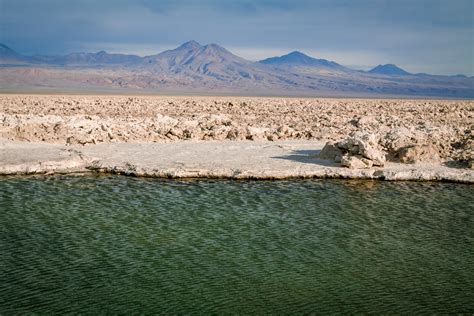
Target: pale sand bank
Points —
{"points": [[206, 159]]}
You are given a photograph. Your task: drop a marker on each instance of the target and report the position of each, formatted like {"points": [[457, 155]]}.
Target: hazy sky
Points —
{"points": [[434, 36]]}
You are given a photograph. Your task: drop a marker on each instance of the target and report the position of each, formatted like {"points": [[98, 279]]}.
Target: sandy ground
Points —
{"points": [[187, 159], [78, 128]]}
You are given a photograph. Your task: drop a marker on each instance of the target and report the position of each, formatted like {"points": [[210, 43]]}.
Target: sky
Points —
{"points": [[432, 36]]}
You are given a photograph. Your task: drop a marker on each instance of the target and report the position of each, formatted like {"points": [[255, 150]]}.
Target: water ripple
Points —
{"points": [[127, 245]]}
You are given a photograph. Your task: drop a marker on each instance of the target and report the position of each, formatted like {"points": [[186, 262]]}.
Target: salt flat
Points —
{"points": [[233, 137], [209, 159]]}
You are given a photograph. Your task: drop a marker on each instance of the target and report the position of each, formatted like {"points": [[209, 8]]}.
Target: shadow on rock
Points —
{"points": [[307, 156], [457, 164]]}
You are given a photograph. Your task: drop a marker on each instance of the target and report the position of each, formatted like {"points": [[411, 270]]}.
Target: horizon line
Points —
{"points": [[253, 61]]}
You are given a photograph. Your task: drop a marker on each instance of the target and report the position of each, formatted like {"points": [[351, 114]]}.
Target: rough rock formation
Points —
{"points": [[365, 150], [363, 145], [464, 149], [331, 152], [443, 126], [359, 150], [419, 153], [355, 162]]}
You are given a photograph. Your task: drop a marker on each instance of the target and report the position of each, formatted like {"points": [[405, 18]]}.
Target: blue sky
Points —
{"points": [[434, 36]]}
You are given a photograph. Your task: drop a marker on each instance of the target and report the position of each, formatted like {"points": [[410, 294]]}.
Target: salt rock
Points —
{"points": [[209, 121], [366, 121], [419, 153], [368, 163], [190, 130], [164, 124], [165, 120], [401, 137], [79, 139], [353, 162], [236, 133], [464, 150], [284, 131], [219, 132], [364, 144], [257, 133], [330, 152]]}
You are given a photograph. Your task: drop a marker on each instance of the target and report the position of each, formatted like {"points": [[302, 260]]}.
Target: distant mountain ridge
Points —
{"points": [[6, 51], [207, 68], [196, 61], [194, 56], [297, 58], [101, 57], [9, 55], [389, 69]]}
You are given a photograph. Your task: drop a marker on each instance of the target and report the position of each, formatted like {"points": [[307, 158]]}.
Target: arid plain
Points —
{"points": [[405, 132]]}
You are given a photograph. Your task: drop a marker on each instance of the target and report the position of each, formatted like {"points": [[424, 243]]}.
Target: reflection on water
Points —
{"points": [[123, 245]]}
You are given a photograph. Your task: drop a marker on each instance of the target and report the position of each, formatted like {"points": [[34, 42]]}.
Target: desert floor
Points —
{"points": [[91, 125]]}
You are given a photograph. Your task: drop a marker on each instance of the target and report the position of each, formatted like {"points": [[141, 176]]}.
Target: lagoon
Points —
{"points": [[120, 245]]}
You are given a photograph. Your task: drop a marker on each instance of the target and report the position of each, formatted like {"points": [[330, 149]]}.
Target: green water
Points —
{"points": [[121, 245]]}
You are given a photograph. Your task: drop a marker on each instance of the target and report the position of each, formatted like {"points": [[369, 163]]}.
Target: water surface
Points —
{"points": [[121, 245]]}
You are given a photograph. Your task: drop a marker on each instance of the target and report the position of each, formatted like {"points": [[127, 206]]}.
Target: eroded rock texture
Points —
{"points": [[403, 130]]}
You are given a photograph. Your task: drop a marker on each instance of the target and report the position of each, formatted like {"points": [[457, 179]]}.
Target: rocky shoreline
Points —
{"points": [[373, 139], [191, 159]]}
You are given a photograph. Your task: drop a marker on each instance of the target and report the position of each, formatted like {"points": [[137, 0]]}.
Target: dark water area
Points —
{"points": [[121, 245]]}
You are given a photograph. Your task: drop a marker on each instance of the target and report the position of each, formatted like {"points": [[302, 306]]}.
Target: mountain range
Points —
{"points": [[197, 68]]}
